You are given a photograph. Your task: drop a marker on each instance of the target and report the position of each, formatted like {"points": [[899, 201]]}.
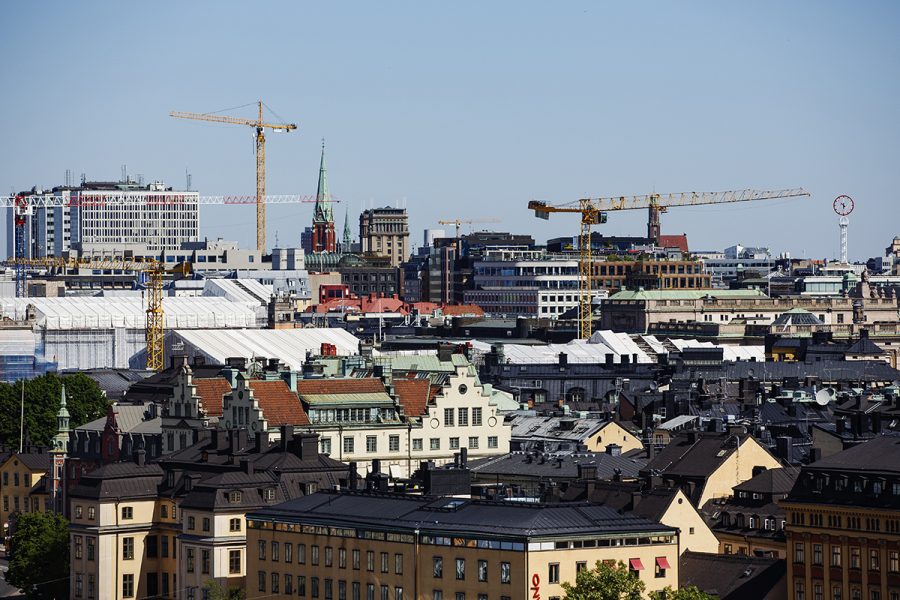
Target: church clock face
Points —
{"points": [[253, 425], [843, 205]]}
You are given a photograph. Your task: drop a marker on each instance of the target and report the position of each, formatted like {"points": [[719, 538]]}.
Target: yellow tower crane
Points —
{"points": [[260, 125], [153, 268], [459, 222], [593, 211]]}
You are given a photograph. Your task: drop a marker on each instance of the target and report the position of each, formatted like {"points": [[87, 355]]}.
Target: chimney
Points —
{"points": [[876, 423], [247, 466], [376, 466], [140, 457], [758, 470], [308, 446], [856, 421], [290, 378], [463, 457], [563, 360], [840, 425], [262, 441], [287, 433], [352, 476], [692, 437], [609, 358], [784, 447], [635, 499]]}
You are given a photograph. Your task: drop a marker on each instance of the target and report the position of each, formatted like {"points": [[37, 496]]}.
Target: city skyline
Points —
{"points": [[470, 115]]}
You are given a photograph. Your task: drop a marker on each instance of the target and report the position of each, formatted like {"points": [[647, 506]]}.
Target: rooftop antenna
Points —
{"points": [[68, 177], [187, 177], [124, 173]]}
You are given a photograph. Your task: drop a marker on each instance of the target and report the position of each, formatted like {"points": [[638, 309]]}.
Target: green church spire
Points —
{"points": [[348, 237], [61, 439], [322, 212]]}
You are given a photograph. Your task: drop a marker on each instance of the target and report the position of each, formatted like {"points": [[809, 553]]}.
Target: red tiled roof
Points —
{"points": [[368, 385], [279, 404], [211, 391], [413, 395], [459, 310], [674, 241]]}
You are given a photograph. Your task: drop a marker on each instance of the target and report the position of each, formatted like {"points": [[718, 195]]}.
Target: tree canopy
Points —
{"points": [[617, 582], [39, 564], [84, 400]]}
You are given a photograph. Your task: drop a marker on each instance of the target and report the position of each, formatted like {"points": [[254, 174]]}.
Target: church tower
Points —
{"points": [[59, 449], [348, 237], [323, 236]]}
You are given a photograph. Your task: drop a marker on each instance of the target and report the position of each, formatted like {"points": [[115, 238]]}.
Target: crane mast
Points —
{"points": [[260, 125]]}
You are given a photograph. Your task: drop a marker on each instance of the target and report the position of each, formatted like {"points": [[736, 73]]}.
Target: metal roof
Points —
{"points": [[287, 345]]}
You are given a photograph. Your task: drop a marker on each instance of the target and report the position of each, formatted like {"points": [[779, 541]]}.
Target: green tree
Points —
{"points": [[690, 592], [220, 591], [39, 564], [84, 399], [605, 582]]}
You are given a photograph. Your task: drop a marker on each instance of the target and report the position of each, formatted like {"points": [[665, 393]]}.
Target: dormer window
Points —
{"points": [[234, 496], [269, 494]]}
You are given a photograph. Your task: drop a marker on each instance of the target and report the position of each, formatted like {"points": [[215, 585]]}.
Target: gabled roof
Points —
{"points": [[732, 576], [674, 241], [36, 461], [413, 395], [697, 454], [279, 404], [864, 346], [211, 390]]}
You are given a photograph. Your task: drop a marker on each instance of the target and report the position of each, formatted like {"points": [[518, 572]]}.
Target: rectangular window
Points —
{"points": [[356, 560], [461, 569], [329, 556], [799, 554], [553, 572], [371, 443], [854, 558], [835, 556], [817, 554], [504, 572], [204, 562], [205, 523], [342, 558], [189, 559], [288, 552], [91, 548], [398, 564], [473, 443], [463, 417], [874, 560], [128, 548], [348, 445], [342, 590], [78, 545], [370, 560], [482, 570], [234, 562], [301, 585], [275, 553], [262, 550], [448, 417], [492, 441], [128, 514], [370, 591], [437, 567], [128, 586], [276, 579], [437, 595], [394, 443], [190, 523], [476, 416], [580, 566], [417, 444], [261, 581], [435, 443], [79, 584], [385, 592], [288, 584], [454, 443], [234, 525], [893, 561], [384, 562], [314, 587], [301, 554], [398, 593], [354, 590]]}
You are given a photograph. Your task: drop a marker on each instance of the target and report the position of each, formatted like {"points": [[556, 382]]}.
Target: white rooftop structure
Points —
{"points": [[238, 290], [74, 312], [287, 345], [593, 350]]}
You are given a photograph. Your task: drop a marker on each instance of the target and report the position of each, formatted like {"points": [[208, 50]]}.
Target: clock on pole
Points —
{"points": [[843, 205]]}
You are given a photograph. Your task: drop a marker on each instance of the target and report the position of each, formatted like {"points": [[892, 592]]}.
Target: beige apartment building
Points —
{"points": [[355, 545], [385, 232]]}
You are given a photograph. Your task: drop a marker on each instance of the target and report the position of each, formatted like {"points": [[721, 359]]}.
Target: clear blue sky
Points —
{"points": [[472, 109]]}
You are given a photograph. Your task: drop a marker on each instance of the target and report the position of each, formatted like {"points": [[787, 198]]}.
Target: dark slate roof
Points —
{"points": [[125, 480], [770, 481], [731, 576], [624, 497], [881, 454], [115, 382], [864, 346], [697, 458], [36, 461], [774, 413], [560, 467], [849, 370], [430, 514]]}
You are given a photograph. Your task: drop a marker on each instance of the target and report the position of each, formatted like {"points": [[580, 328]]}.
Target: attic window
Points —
{"points": [[234, 496], [269, 494]]}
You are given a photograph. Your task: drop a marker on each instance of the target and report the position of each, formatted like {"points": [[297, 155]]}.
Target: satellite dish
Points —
{"points": [[823, 397]]}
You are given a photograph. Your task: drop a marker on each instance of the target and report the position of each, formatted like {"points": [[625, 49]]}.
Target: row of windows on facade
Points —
{"points": [[856, 593], [851, 522], [855, 558], [326, 589], [25, 505], [284, 552], [857, 485], [26, 479], [352, 415], [349, 444]]}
